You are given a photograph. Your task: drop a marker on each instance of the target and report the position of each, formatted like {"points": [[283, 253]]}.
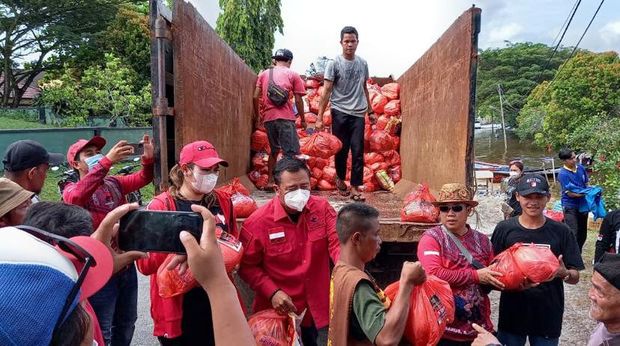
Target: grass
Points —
{"points": [[17, 124], [50, 189]]}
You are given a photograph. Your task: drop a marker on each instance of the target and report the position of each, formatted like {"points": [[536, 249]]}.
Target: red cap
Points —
{"points": [[78, 146], [99, 274], [202, 154]]}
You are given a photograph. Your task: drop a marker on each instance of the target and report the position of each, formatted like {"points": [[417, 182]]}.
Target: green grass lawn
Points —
{"points": [[16, 124], [50, 189]]}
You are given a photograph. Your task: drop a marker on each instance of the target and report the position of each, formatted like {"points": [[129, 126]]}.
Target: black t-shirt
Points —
{"points": [[197, 322], [538, 310], [608, 237]]}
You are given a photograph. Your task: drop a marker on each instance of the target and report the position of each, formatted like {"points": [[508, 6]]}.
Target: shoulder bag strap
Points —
{"points": [[468, 256]]}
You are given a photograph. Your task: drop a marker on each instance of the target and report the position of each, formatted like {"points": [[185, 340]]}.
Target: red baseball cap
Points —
{"points": [[202, 154], [99, 274], [78, 146]]}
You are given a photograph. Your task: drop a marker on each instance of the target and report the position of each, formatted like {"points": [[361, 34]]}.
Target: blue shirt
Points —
{"points": [[578, 178]]}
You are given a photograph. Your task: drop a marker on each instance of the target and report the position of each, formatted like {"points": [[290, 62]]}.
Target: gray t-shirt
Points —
{"points": [[349, 77], [602, 337]]}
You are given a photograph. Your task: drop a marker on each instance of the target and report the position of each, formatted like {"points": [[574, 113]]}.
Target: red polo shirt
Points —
{"points": [[280, 254]]}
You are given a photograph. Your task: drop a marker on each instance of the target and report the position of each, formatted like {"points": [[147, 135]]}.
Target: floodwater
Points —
{"points": [[489, 147]]}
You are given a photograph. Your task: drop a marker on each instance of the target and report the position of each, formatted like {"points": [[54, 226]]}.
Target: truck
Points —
{"points": [[203, 90]]}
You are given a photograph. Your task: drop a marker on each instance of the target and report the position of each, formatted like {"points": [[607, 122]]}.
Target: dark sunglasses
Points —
{"points": [[446, 208], [74, 249]]}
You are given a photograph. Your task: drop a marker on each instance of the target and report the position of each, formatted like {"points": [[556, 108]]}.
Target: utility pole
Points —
{"points": [[501, 109]]}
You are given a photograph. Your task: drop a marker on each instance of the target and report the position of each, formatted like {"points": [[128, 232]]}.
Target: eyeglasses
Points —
{"points": [[74, 249], [456, 208]]}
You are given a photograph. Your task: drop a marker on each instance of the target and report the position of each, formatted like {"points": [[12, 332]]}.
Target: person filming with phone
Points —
{"points": [[185, 318], [99, 193]]}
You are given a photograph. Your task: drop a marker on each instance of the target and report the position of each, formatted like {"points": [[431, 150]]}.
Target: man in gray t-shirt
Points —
{"points": [[345, 87]]}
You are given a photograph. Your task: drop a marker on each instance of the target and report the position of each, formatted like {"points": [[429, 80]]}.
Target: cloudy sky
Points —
{"points": [[395, 33]]}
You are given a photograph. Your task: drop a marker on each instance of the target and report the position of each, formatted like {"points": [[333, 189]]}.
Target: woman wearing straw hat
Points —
{"points": [[459, 254]]}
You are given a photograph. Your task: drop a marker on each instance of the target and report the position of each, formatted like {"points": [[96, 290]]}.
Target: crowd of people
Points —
{"points": [[66, 282]]}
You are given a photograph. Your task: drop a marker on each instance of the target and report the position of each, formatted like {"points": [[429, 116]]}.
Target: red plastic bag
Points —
{"points": [[395, 173], [259, 141], [381, 141], [378, 103], [512, 277], [329, 174], [316, 173], [327, 118], [555, 215], [418, 206], [259, 160], [325, 185], [431, 309], [231, 249], [391, 91], [392, 108], [537, 262], [321, 144], [171, 283], [392, 157], [272, 329], [235, 186], [382, 120], [312, 84], [370, 158], [259, 179], [243, 204]]}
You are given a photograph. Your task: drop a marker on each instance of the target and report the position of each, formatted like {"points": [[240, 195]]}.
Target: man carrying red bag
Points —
{"points": [[536, 312], [358, 308]]}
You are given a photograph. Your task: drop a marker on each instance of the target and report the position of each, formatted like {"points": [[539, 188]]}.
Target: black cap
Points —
{"points": [[532, 183], [26, 154], [283, 55], [609, 268]]}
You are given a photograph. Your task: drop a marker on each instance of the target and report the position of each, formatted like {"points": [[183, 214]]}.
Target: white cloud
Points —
{"points": [[507, 32], [610, 34]]}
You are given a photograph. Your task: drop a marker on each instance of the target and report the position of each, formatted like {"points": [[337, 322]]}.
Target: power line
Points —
{"points": [[568, 20], [576, 46], [565, 21]]}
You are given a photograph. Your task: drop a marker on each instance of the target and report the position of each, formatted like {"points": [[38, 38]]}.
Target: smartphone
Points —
{"points": [[138, 148], [157, 231]]}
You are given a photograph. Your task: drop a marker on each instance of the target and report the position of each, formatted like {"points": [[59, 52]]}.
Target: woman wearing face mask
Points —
{"points": [[459, 255], [516, 172], [186, 319]]}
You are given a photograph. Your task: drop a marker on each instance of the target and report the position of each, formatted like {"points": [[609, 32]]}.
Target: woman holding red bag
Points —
{"points": [[185, 319], [458, 254]]}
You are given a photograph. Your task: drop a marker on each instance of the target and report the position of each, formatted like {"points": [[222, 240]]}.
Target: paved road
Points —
{"points": [[143, 335]]}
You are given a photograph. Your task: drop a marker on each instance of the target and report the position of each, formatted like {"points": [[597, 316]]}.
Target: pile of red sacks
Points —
{"points": [[381, 142]]}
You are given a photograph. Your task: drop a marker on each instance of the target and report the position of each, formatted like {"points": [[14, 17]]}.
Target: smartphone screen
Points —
{"points": [[138, 148], [157, 231]]}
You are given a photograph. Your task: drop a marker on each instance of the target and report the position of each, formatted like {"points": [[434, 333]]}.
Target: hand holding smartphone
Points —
{"points": [[157, 231], [138, 148]]}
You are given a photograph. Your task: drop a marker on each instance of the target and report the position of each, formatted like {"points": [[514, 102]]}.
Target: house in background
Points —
{"points": [[31, 93]]}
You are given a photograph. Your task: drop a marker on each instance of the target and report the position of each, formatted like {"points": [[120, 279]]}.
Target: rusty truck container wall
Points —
{"points": [[437, 105]]}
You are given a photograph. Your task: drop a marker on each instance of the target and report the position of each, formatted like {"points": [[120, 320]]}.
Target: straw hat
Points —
{"points": [[455, 193]]}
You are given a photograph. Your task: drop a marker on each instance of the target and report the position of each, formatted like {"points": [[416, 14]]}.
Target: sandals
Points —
{"points": [[358, 197], [342, 188]]}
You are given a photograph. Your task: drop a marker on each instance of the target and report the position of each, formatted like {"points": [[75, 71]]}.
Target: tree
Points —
{"points": [[110, 90], [248, 27], [580, 109], [518, 68], [38, 35]]}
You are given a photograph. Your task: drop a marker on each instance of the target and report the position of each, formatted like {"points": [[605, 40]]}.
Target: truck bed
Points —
{"points": [[388, 204]]}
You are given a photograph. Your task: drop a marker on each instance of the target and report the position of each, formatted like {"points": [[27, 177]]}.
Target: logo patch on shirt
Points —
{"points": [[277, 235]]}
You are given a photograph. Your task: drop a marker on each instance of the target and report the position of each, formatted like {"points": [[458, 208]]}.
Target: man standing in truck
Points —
{"points": [[271, 96], [345, 87]]}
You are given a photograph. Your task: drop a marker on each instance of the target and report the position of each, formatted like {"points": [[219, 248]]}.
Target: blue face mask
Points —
{"points": [[92, 161]]}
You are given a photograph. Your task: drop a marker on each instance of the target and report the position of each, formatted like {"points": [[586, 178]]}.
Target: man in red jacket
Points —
{"points": [[288, 243], [116, 303]]}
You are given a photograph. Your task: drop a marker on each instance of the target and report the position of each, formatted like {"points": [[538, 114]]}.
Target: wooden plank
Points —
{"points": [[213, 91], [437, 100]]}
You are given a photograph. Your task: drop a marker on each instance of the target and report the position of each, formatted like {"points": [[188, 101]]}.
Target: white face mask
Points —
{"points": [[204, 183], [513, 173], [92, 161], [297, 199]]}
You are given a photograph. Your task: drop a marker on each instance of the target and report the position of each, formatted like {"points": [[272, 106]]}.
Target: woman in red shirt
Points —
{"points": [[441, 256], [186, 319]]}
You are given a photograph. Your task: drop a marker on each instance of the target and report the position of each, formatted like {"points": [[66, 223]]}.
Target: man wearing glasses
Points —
{"points": [[575, 174]]}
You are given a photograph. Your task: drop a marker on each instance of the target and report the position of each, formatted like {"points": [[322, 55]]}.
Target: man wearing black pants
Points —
{"points": [[345, 87], [573, 175]]}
